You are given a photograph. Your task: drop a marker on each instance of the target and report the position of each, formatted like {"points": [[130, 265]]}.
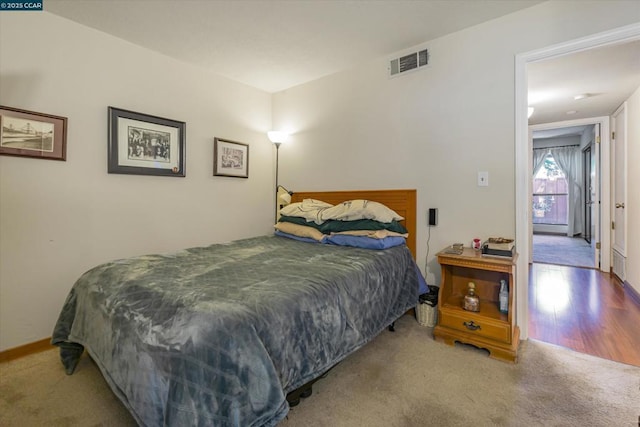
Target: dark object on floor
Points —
{"points": [[304, 391]]}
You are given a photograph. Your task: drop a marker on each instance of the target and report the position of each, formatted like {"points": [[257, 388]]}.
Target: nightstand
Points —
{"points": [[488, 328]]}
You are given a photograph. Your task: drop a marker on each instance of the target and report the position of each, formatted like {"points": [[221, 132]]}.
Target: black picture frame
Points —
{"points": [[142, 144], [230, 158], [26, 133]]}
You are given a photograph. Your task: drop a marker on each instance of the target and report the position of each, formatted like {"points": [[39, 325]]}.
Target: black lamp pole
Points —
{"points": [[277, 144]]}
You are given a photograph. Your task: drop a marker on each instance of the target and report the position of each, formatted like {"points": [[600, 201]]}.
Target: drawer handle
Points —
{"points": [[471, 326]]}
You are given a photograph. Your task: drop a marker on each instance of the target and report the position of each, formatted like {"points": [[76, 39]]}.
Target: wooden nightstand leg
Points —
{"points": [[443, 337]]}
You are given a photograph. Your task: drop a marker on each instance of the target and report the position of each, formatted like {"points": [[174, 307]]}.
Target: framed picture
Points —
{"points": [[230, 158], [141, 144], [30, 134]]}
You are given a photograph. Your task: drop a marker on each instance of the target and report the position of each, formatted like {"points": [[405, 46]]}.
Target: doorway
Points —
{"points": [[565, 194], [523, 160]]}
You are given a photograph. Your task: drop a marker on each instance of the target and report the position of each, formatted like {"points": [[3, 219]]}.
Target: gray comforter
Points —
{"points": [[219, 335]]}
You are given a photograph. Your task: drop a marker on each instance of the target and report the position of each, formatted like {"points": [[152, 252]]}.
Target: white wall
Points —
{"points": [[432, 129], [58, 219], [633, 192]]}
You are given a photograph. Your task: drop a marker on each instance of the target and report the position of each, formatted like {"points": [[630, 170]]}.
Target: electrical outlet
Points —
{"points": [[483, 179]]}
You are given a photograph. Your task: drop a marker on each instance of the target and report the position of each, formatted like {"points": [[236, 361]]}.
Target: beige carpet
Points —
{"points": [[400, 379]]}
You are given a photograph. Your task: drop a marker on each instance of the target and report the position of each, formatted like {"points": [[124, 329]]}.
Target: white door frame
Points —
{"points": [[522, 155], [603, 173], [615, 168]]}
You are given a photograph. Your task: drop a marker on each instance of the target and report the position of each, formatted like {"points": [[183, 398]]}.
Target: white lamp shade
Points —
{"points": [[283, 196], [529, 112], [284, 199], [277, 136]]}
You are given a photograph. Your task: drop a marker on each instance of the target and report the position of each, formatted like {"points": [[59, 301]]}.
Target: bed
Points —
{"points": [[220, 335]]}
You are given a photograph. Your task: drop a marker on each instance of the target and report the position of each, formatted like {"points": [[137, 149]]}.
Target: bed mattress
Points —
{"points": [[219, 335]]}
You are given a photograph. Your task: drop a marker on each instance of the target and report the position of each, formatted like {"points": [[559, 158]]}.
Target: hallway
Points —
{"points": [[585, 310]]}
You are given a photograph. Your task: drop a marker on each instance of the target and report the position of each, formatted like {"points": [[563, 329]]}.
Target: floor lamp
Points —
{"points": [[278, 138]]}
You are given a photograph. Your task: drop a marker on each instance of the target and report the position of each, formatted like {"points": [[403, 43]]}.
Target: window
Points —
{"points": [[550, 194]]}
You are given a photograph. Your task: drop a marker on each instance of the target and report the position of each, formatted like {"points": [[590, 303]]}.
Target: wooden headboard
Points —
{"points": [[401, 201]]}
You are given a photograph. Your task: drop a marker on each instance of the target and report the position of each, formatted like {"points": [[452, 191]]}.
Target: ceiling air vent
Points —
{"points": [[409, 62]]}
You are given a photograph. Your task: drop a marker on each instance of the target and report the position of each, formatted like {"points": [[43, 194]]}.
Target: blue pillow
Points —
{"points": [[294, 237], [364, 241]]}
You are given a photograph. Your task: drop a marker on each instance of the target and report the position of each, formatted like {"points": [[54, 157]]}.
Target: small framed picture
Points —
{"points": [[30, 134], [140, 144], [230, 158]]}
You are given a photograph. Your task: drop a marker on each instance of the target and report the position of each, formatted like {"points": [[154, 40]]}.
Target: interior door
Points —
{"points": [[619, 165], [587, 173], [530, 187], [596, 193], [592, 194]]}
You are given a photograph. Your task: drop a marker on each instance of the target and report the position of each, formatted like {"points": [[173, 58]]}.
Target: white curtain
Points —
{"points": [[568, 160], [539, 155]]}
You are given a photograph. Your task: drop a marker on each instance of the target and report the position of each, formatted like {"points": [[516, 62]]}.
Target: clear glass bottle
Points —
{"points": [[504, 297], [471, 300]]}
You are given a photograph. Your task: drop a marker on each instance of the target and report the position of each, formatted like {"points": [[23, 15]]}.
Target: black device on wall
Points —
{"points": [[433, 216]]}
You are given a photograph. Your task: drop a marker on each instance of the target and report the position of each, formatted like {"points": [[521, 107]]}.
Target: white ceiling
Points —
{"points": [[277, 44], [609, 75]]}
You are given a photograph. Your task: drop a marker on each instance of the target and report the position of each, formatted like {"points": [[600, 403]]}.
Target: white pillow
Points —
{"points": [[309, 209], [360, 209], [300, 230]]}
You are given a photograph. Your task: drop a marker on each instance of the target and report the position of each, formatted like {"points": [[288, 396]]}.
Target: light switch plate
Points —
{"points": [[483, 179]]}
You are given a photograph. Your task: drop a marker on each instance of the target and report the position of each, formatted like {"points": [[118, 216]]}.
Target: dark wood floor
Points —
{"points": [[584, 310]]}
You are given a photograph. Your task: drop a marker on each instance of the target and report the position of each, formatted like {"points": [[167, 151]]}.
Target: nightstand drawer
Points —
{"points": [[476, 325]]}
